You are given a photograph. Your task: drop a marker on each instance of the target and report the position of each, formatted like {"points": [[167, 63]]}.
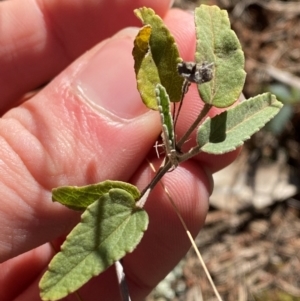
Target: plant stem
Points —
{"points": [[184, 138], [188, 155], [185, 88], [181, 157], [160, 173]]}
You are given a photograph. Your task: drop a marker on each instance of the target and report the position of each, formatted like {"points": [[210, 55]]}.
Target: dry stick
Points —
{"points": [[78, 296], [122, 281], [190, 238]]}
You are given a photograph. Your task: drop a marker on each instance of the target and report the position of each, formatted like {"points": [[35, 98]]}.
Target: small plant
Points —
{"points": [[113, 221]]}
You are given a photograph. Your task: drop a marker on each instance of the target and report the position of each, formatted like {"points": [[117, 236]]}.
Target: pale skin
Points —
{"points": [[86, 125]]}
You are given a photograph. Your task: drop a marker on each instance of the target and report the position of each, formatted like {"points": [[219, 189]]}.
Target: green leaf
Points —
{"points": [[145, 69], [109, 228], [163, 103], [165, 54], [79, 198], [229, 130], [218, 44]]}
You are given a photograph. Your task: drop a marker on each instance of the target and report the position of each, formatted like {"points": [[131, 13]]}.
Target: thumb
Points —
{"points": [[86, 126]]}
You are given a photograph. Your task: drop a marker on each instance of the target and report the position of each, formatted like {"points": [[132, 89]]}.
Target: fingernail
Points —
{"points": [[108, 79]]}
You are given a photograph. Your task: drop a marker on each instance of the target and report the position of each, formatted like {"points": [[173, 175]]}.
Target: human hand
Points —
{"points": [[85, 126]]}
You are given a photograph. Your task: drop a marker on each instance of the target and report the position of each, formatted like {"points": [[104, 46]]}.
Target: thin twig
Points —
{"points": [[185, 88], [190, 238], [193, 244], [122, 281], [188, 155], [78, 296]]}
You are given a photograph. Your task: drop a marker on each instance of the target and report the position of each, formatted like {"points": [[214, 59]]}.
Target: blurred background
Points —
{"points": [[251, 240]]}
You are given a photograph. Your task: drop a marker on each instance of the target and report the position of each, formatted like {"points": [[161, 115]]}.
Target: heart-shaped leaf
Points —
{"points": [[109, 228]]}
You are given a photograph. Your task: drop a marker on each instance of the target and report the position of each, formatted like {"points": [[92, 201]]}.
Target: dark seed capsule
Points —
{"points": [[196, 72]]}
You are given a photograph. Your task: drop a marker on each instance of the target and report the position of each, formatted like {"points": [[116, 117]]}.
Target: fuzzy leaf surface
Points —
{"points": [[146, 71], [109, 228], [79, 198], [165, 55], [218, 44], [163, 103], [229, 130]]}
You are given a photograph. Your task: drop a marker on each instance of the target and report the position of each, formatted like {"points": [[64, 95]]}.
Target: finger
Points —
{"points": [[60, 137], [40, 38], [12, 271], [86, 126]]}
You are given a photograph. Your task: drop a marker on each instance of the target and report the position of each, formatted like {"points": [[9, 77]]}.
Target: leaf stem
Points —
{"points": [[202, 114], [188, 155]]}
